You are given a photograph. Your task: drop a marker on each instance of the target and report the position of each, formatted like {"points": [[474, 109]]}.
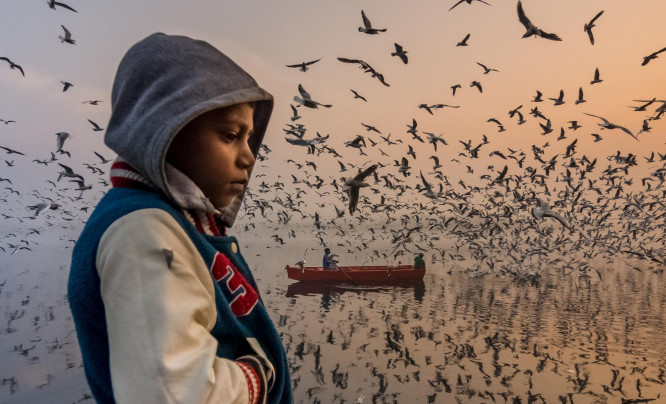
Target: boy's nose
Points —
{"points": [[246, 157]]}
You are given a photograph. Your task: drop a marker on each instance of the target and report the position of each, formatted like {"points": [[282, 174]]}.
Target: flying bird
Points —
{"points": [[304, 65], [367, 26], [366, 68], [580, 99], [454, 88], [96, 127], [11, 151], [52, 4], [62, 136], [294, 116], [486, 70], [651, 56], [464, 41], [466, 1], [477, 85], [596, 77], [91, 102], [13, 65], [67, 38], [353, 186], [357, 95], [608, 125], [399, 52], [104, 161], [307, 101], [66, 85], [531, 29], [588, 27]]}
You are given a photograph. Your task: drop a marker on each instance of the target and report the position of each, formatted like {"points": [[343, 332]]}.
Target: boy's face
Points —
{"points": [[213, 151]]}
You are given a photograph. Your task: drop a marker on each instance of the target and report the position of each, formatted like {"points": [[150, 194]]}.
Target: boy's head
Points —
{"points": [[327, 251], [168, 93], [220, 141]]}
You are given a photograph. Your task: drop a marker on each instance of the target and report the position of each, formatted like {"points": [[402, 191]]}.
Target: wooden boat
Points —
{"points": [[381, 274]]}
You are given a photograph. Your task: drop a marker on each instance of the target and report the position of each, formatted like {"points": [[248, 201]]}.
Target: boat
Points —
{"points": [[379, 274]]}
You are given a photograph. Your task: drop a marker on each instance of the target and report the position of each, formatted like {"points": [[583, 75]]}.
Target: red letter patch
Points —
{"points": [[243, 295]]}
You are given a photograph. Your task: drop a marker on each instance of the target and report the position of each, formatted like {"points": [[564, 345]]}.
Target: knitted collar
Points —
{"points": [[123, 175]]}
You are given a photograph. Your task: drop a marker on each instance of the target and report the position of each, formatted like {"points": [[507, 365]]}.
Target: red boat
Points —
{"points": [[382, 274]]}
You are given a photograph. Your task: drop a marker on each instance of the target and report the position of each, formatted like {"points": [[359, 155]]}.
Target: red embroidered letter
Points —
{"points": [[243, 295]]}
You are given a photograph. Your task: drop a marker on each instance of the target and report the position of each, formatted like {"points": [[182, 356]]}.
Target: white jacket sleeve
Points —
{"points": [[159, 303]]}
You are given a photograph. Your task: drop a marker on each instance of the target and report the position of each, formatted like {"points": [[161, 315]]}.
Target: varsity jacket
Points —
{"points": [[165, 306]]}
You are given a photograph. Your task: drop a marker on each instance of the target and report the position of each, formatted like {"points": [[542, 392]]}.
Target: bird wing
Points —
{"points": [[312, 62], [363, 174], [522, 17], [595, 17], [552, 37], [366, 22], [398, 48], [94, 124], [353, 199], [304, 94], [63, 5], [67, 169], [456, 5], [67, 33], [589, 34], [425, 183]]}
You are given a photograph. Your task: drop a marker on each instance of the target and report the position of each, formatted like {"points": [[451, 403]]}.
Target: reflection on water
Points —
{"points": [[478, 340], [452, 338]]}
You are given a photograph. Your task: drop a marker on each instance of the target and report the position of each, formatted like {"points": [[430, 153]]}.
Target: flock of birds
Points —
{"points": [[546, 209]]}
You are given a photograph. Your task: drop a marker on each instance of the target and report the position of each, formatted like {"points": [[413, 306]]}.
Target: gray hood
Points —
{"points": [[162, 83]]}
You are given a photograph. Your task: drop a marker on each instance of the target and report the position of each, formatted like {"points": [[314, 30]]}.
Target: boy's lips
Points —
{"points": [[238, 185]]}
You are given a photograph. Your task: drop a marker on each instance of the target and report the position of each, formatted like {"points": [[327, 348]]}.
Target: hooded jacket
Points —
{"points": [[165, 306]]}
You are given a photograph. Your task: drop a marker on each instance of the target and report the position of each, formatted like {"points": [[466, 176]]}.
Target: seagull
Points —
{"points": [[466, 1], [68, 172], [66, 85], [41, 208], [367, 26], [486, 70], [454, 88], [67, 38], [580, 99], [464, 41], [357, 95], [371, 128], [543, 210], [429, 108], [7, 121], [588, 27], [11, 151], [596, 77], [13, 65], [560, 99], [96, 127], [608, 125], [91, 102], [366, 68], [477, 85], [304, 65], [399, 52], [104, 161], [62, 136], [404, 167], [537, 98], [307, 101], [429, 192], [432, 138], [651, 56], [353, 186], [52, 4], [294, 116], [531, 29]]}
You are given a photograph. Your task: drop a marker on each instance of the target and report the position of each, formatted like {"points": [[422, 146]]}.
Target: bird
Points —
{"points": [[454, 88], [466, 1], [580, 99], [559, 100], [596, 77], [62, 136], [652, 56], [104, 161], [67, 38], [353, 186], [304, 65], [608, 125], [42, 207], [91, 102], [13, 65], [588, 27], [7, 121], [429, 108], [543, 210], [399, 52], [367, 26], [464, 41], [11, 151], [52, 4], [531, 29], [96, 127], [477, 85], [294, 116], [486, 70], [68, 172], [357, 95], [366, 68], [537, 97], [66, 85], [307, 101]]}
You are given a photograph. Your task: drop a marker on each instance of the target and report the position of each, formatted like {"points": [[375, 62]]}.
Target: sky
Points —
{"points": [[263, 37]]}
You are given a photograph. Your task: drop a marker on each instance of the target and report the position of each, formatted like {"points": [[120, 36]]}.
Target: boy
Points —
{"points": [[165, 307], [326, 261], [419, 263]]}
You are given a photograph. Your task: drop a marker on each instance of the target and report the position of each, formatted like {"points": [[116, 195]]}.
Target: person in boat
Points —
{"points": [[419, 263], [165, 306], [327, 262]]}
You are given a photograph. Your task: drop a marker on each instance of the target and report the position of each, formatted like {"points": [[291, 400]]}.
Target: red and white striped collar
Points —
{"points": [[123, 175]]}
